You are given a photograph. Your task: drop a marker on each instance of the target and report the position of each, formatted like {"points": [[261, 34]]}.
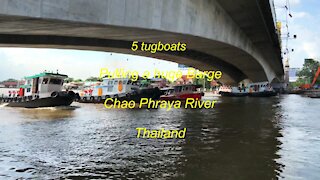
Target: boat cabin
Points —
{"points": [[114, 86], [259, 87], [181, 89], [182, 92], [42, 85]]}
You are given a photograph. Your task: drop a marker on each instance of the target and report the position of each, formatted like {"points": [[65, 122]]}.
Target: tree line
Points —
{"points": [[307, 73]]}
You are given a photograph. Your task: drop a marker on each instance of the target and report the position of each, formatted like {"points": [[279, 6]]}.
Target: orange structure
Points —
{"points": [[309, 86]]}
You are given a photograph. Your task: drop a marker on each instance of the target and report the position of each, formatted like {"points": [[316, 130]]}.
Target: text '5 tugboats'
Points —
{"points": [[261, 89], [41, 90]]}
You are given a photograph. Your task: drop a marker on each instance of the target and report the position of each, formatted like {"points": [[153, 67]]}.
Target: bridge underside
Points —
{"points": [[202, 53], [236, 37]]}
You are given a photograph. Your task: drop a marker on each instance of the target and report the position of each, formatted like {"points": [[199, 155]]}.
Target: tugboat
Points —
{"points": [[41, 90], [233, 91], [145, 90], [260, 89], [182, 92], [120, 89]]}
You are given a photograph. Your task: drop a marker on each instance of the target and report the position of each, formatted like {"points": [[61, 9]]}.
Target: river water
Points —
{"points": [[241, 138]]}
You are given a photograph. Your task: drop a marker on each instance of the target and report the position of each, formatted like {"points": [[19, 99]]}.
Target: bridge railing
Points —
{"points": [[273, 10], [277, 25]]}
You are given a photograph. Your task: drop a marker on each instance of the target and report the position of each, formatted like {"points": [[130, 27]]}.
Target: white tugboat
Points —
{"points": [[260, 89], [41, 90], [119, 88]]}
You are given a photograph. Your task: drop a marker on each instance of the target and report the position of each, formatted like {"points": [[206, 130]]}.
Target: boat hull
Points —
{"points": [[313, 93], [296, 92], [263, 94], [153, 93], [230, 94], [137, 95], [61, 100], [314, 96], [254, 94]]}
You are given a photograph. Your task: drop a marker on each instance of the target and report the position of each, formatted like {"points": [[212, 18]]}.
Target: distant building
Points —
{"points": [[11, 84], [293, 74], [184, 80], [214, 83], [159, 82]]}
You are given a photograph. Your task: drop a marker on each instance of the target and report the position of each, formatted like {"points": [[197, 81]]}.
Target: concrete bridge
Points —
{"points": [[237, 37]]}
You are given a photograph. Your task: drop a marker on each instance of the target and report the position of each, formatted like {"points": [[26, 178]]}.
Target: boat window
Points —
{"points": [[116, 82], [170, 91], [55, 81], [28, 89], [178, 89], [45, 81], [110, 82]]}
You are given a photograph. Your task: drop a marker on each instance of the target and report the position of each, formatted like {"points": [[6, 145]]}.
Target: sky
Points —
{"points": [[19, 62], [305, 23]]}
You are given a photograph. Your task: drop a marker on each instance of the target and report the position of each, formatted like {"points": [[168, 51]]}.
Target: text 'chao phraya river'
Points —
{"points": [[241, 138]]}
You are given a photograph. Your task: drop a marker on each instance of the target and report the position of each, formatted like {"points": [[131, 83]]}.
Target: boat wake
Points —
{"points": [[3, 105], [59, 108]]}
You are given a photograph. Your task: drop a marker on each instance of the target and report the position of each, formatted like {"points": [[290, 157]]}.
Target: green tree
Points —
{"points": [[308, 70], [78, 80], [11, 80], [93, 79], [69, 79], [202, 81], [298, 83]]}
